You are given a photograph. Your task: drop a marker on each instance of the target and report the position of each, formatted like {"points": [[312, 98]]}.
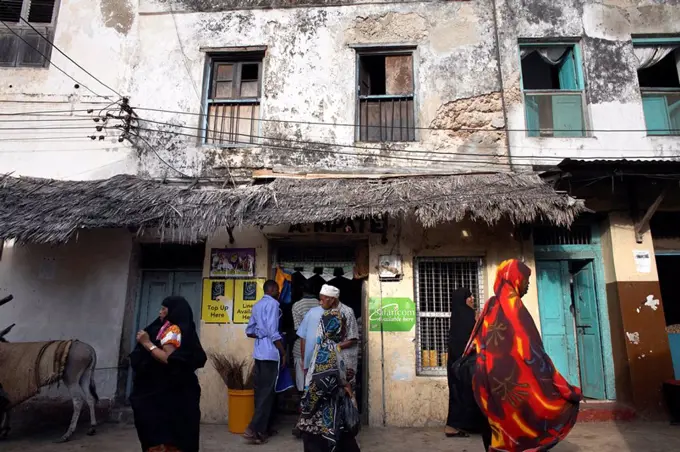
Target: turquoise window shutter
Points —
{"points": [[567, 71], [531, 108], [567, 116], [656, 114], [674, 114]]}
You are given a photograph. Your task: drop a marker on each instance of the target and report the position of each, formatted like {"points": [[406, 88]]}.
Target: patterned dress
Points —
{"points": [[320, 417], [529, 405]]}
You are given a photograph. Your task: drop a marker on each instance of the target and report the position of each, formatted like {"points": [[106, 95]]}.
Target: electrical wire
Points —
{"points": [[50, 61], [47, 112], [50, 138], [59, 119], [388, 148], [394, 157], [161, 158], [52, 127], [70, 59], [454, 129], [338, 153]]}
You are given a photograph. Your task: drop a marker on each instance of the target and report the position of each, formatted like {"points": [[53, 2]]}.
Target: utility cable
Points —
{"points": [[69, 58], [50, 61], [454, 129], [394, 157], [207, 131]]}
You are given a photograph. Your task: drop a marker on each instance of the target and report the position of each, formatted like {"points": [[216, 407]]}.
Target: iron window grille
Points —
{"points": [[435, 281], [21, 45]]}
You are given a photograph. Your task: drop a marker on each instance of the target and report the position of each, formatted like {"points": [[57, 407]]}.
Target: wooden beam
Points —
{"points": [[651, 210]]}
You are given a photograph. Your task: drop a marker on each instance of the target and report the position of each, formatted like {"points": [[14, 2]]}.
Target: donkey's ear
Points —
{"points": [[5, 332]]}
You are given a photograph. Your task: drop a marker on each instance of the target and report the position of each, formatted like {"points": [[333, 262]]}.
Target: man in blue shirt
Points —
{"points": [[269, 356]]}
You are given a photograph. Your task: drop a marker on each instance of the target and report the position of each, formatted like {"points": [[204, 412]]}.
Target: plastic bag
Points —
{"points": [[351, 418]]}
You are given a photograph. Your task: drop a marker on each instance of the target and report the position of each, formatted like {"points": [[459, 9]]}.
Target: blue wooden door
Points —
{"points": [[189, 285], [157, 285], [588, 333], [557, 323]]}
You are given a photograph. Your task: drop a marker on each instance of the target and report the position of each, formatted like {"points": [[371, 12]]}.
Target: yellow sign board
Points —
{"points": [[247, 292], [218, 300]]}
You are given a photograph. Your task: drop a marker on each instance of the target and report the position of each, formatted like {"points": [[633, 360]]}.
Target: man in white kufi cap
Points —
{"points": [[329, 297]]}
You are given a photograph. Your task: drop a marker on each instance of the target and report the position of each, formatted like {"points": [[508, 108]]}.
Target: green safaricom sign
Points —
{"points": [[398, 314]]}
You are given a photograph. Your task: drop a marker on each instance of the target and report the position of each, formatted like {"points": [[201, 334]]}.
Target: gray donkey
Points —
{"points": [[78, 376]]}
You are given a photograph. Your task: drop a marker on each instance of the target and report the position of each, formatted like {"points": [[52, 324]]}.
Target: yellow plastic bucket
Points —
{"points": [[241, 409]]}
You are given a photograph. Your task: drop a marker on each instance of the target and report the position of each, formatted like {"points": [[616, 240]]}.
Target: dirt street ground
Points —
{"points": [[599, 437]]}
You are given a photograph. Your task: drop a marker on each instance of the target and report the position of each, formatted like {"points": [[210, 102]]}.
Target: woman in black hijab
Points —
{"points": [[166, 395], [463, 320]]}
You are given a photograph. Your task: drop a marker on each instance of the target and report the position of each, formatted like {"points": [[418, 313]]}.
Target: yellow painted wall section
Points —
{"points": [[227, 338], [412, 400], [621, 233]]}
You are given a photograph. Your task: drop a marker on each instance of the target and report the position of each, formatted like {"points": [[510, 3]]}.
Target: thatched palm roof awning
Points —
{"points": [[50, 211]]}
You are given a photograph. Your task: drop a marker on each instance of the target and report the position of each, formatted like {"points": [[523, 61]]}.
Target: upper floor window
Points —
{"points": [[658, 66], [385, 101], [552, 81], [233, 99], [20, 45]]}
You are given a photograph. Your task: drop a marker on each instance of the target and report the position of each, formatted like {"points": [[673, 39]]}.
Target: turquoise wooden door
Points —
{"points": [[557, 323], [588, 333], [156, 285], [189, 286]]}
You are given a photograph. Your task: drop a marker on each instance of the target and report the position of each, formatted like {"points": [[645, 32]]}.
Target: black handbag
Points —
{"points": [[464, 367], [351, 419]]}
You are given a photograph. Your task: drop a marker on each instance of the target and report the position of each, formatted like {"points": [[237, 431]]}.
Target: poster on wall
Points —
{"points": [[217, 304], [232, 262], [643, 261], [398, 314], [246, 293]]}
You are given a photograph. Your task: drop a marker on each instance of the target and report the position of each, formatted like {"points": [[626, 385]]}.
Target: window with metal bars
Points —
{"points": [[234, 99], [435, 281], [20, 44], [576, 235], [385, 104]]}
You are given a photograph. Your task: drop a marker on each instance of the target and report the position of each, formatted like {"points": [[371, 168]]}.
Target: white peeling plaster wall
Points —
{"points": [[310, 76], [60, 294], [100, 35], [612, 90]]}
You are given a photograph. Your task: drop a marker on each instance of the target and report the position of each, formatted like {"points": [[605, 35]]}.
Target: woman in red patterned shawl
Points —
{"points": [[529, 405]]}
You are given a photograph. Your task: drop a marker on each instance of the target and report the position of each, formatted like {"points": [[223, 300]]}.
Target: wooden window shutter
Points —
{"points": [[41, 11], [398, 74], [10, 10]]}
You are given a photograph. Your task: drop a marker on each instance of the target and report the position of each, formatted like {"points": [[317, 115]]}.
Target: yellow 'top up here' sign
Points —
{"points": [[218, 301], [247, 292]]}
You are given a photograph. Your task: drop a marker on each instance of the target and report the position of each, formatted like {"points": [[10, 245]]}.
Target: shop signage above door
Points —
{"points": [[356, 226], [398, 314]]}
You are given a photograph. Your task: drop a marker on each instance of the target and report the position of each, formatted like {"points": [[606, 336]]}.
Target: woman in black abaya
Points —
{"points": [[462, 416], [166, 395]]}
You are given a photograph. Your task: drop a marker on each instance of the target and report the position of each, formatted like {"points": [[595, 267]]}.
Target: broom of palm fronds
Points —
{"points": [[236, 373]]}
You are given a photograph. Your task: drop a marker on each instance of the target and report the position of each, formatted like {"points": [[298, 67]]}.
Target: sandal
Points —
{"points": [[458, 434], [254, 438]]}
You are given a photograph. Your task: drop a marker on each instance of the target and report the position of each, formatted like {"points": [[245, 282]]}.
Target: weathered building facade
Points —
{"points": [[437, 114]]}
